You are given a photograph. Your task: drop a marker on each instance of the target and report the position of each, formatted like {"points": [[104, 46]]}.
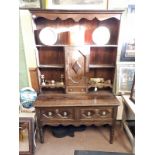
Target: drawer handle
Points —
{"points": [[104, 113], [46, 116], [57, 110], [65, 113], [50, 113], [88, 113]]}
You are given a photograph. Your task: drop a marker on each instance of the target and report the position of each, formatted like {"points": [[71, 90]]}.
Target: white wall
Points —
{"points": [[28, 39]]}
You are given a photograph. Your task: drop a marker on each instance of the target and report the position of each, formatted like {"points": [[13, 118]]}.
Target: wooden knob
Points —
{"points": [[50, 113], [56, 110], [65, 113], [103, 113], [88, 113]]}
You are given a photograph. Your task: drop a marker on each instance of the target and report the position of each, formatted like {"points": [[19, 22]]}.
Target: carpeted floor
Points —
{"points": [[85, 152], [93, 138]]}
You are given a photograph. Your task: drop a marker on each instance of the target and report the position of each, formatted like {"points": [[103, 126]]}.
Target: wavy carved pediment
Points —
{"points": [[76, 16]]}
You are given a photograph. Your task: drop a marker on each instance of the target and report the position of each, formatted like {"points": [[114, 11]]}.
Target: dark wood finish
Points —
{"points": [[48, 58], [69, 109], [76, 58], [103, 55], [76, 69], [34, 79]]}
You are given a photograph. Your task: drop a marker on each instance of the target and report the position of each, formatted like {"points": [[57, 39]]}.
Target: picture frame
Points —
{"points": [[125, 77], [29, 3], [26, 135], [117, 4], [132, 95], [128, 46], [77, 5]]}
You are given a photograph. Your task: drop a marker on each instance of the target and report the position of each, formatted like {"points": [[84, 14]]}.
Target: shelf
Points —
{"points": [[57, 45], [104, 45], [100, 85], [57, 85], [88, 45], [101, 66], [75, 54], [51, 66]]}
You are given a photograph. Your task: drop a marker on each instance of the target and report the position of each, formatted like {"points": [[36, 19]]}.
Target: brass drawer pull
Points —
{"points": [[65, 113], [104, 113], [57, 110], [50, 113], [88, 113], [47, 116]]}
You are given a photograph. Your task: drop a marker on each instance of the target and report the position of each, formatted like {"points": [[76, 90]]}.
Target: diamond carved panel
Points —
{"points": [[76, 67]]}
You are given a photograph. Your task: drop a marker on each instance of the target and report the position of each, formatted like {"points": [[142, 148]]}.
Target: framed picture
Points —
{"points": [[77, 5], [128, 47], [117, 4], [132, 95], [26, 135], [125, 76], [29, 3]]}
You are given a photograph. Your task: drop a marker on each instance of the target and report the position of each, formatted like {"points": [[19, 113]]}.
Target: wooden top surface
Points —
{"points": [[55, 100]]}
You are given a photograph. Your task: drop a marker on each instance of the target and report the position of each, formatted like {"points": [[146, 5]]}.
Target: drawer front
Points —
{"points": [[95, 113], [57, 113], [76, 89]]}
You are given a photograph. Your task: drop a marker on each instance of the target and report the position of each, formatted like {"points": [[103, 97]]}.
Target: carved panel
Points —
{"points": [[57, 113], [76, 68], [95, 113]]}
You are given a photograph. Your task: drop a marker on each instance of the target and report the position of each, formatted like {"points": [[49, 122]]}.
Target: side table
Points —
{"points": [[128, 104], [26, 133]]}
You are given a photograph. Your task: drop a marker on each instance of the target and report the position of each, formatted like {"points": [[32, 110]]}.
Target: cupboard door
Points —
{"points": [[76, 69]]}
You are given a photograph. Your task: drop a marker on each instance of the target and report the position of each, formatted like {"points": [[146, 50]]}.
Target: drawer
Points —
{"points": [[57, 113], [95, 113], [77, 89]]}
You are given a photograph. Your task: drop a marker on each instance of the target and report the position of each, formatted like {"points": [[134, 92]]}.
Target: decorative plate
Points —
{"points": [[101, 31], [48, 36], [27, 97]]}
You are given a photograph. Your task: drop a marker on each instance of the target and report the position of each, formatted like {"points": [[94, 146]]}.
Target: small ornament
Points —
{"points": [[62, 78], [43, 80], [52, 82]]}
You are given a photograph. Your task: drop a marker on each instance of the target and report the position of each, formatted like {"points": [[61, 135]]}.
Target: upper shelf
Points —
{"points": [[93, 33], [61, 28], [64, 45]]}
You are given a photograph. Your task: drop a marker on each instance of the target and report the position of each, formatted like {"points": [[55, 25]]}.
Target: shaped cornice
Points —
{"points": [[75, 15]]}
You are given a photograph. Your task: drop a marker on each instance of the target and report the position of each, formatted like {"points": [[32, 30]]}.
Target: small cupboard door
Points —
{"points": [[76, 69]]}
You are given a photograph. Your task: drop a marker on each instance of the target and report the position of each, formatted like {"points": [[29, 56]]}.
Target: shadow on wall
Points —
{"points": [[23, 79]]}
